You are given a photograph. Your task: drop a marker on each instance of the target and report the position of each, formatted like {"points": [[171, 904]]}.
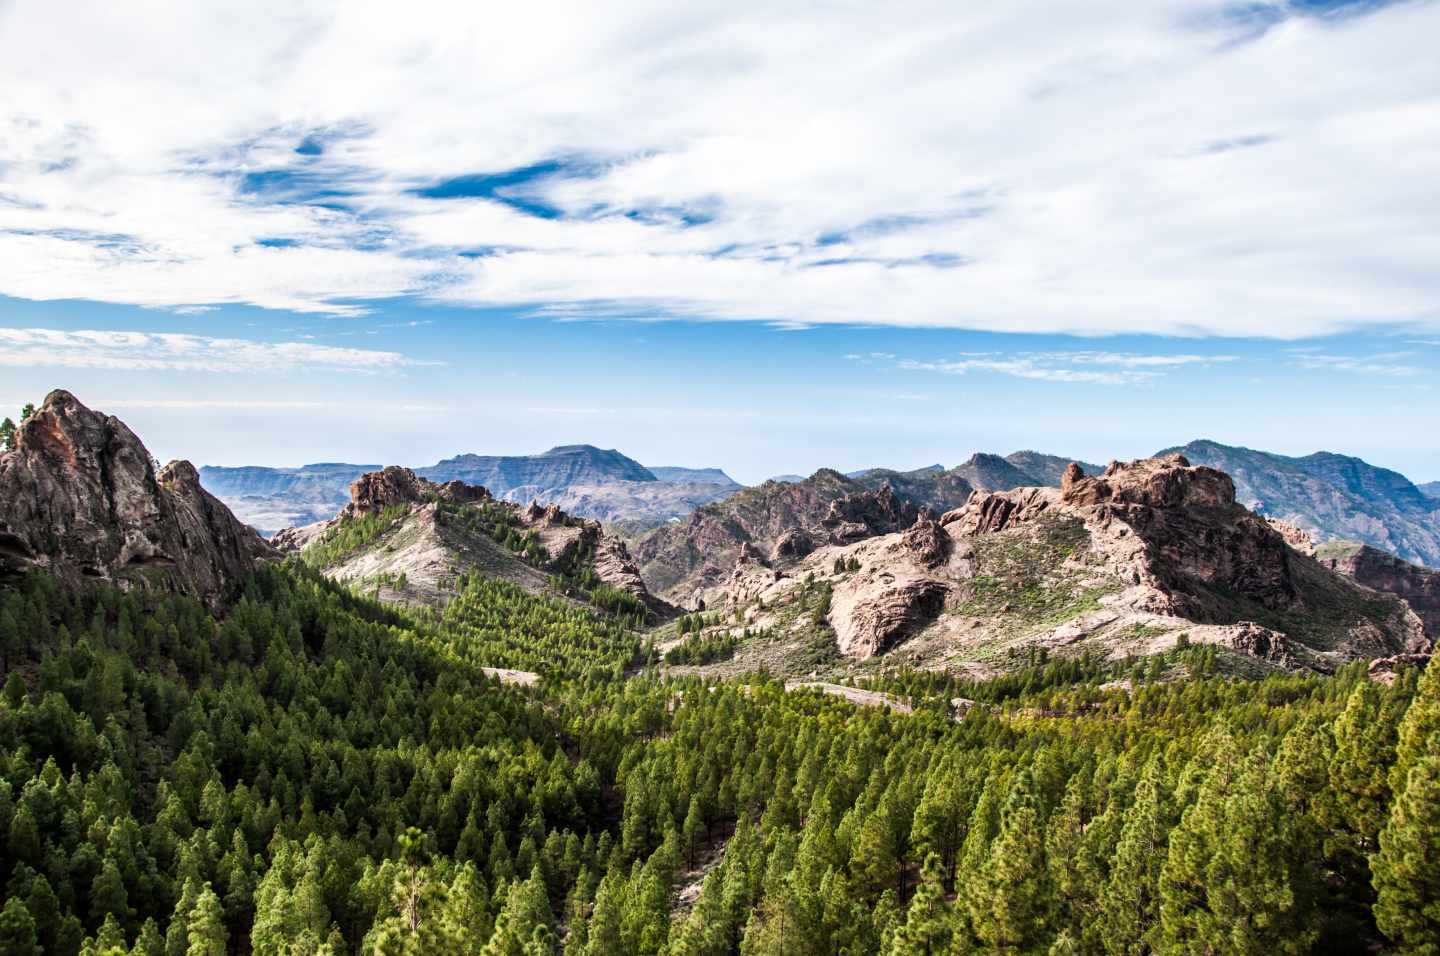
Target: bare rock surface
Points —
{"points": [[81, 497], [1419, 587]]}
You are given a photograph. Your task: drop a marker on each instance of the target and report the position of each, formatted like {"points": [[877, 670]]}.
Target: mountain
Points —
{"points": [[1420, 587], [700, 476], [1332, 496], [992, 473], [559, 467], [1430, 489], [411, 541], [690, 558], [81, 497], [272, 498], [585, 481], [1147, 557], [1046, 469]]}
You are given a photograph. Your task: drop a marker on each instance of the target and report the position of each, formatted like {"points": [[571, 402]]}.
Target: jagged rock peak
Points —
{"points": [[1166, 482], [81, 497], [375, 491]]}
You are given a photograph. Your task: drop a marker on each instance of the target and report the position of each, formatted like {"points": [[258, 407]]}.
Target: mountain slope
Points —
{"points": [[704, 476], [787, 519], [411, 541], [1332, 496], [1046, 470], [81, 497], [1430, 489], [1420, 587], [1148, 557]]}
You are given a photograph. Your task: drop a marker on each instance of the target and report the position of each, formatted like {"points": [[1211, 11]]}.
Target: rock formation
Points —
{"points": [[1420, 587], [426, 550], [80, 496]]}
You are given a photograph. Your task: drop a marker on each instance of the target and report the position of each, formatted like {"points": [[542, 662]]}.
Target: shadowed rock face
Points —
{"points": [[1420, 587], [80, 496]]}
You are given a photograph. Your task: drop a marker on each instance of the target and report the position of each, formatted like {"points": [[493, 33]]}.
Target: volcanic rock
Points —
{"points": [[80, 497]]}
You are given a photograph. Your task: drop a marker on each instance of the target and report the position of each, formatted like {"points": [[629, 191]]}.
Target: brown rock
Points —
{"points": [[80, 497], [793, 544], [927, 541], [1384, 670], [1420, 587], [882, 610]]}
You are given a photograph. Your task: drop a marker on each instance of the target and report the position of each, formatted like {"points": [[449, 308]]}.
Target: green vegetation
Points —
{"points": [[352, 535], [317, 773], [705, 648], [1020, 577]]}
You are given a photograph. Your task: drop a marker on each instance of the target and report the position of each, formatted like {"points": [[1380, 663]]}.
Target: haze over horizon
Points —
{"points": [[710, 237]]}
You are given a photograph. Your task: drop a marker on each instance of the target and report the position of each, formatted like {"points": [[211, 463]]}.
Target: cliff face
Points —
{"points": [[1420, 587], [80, 496], [787, 520]]}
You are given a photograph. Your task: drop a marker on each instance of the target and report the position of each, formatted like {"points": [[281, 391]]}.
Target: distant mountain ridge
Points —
{"points": [[586, 481], [1331, 496]]}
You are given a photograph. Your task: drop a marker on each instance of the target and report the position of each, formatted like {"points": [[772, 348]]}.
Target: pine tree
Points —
{"points": [[1407, 867], [1013, 889], [1359, 775], [1231, 881], [7, 434], [1130, 900], [929, 923], [205, 927], [17, 930]]}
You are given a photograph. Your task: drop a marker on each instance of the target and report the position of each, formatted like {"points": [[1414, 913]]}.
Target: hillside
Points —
{"points": [[1431, 489], [410, 541], [1332, 496], [1146, 557], [703, 476], [207, 750], [687, 561]]}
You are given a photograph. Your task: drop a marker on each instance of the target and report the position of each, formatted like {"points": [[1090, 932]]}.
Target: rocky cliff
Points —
{"points": [[1134, 560], [1332, 496], [784, 521], [81, 497], [1420, 587]]}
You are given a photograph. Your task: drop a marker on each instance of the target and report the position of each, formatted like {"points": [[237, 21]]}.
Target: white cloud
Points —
{"points": [[1382, 363], [145, 351], [1122, 368], [1115, 171]]}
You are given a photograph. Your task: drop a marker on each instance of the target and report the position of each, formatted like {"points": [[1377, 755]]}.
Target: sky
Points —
{"points": [[765, 238]]}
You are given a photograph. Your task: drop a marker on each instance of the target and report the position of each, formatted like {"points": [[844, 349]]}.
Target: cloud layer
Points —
{"points": [[1179, 167], [149, 351]]}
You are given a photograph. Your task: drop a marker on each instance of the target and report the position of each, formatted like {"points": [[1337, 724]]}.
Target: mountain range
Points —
{"points": [[587, 481], [1326, 495]]}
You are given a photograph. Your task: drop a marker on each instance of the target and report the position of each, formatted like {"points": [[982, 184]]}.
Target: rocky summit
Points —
{"points": [[81, 497]]}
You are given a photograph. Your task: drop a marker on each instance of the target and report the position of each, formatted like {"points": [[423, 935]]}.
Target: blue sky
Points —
{"points": [[767, 241]]}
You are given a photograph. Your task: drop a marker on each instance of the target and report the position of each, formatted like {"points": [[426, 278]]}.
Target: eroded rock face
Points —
{"points": [[1262, 643], [792, 545], [927, 541], [80, 496], [882, 608], [1420, 587], [989, 511]]}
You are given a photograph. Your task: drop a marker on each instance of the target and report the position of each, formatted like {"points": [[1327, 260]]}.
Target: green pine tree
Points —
{"points": [[1407, 867]]}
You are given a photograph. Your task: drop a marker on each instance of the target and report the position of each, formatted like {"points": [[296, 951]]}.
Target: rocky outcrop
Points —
{"points": [[80, 497], [881, 609], [989, 512], [1262, 643], [827, 508], [792, 545], [1384, 670], [1420, 587], [926, 541]]}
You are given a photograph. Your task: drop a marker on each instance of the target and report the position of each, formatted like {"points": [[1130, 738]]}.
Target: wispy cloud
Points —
{"points": [[1116, 368], [1390, 364], [149, 351], [698, 162]]}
